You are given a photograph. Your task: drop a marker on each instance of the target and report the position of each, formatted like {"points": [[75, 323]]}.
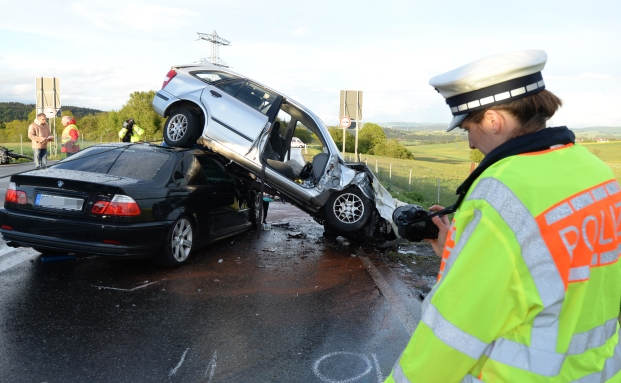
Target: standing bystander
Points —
{"points": [[69, 138], [39, 134]]}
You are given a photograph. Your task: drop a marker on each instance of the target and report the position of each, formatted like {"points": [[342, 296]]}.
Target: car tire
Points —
{"points": [[179, 242], [182, 128], [347, 211], [257, 209]]}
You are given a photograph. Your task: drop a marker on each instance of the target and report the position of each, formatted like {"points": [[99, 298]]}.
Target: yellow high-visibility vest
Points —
{"points": [[529, 289]]}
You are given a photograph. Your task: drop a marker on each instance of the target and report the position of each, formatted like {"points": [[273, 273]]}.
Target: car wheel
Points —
{"points": [[182, 128], [347, 211], [179, 242], [257, 209]]}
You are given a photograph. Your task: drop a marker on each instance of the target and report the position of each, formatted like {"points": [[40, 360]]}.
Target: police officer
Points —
{"points": [[529, 287], [130, 132]]}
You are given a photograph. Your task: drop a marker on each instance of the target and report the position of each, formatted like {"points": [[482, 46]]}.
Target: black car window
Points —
{"points": [[96, 159], [139, 164], [118, 161], [213, 170]]}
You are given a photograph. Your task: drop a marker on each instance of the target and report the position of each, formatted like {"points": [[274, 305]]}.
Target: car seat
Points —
{"points": [[319, 164]]}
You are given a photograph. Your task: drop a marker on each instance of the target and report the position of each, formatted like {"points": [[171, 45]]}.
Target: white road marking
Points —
{"points": [[326, 379], [120, 289], [174, 370], [211, 367], [10, 257], [380, 377], [409, 318]]}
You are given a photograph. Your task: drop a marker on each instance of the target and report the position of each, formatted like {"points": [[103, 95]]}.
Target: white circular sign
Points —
{"points": [[345, 122]]}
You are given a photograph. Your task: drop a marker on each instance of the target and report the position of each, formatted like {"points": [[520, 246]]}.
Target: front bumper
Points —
{"points": [[89, 238]]}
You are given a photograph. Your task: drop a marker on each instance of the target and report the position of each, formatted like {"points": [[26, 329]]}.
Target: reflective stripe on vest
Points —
{"points": [[611, 367], [470, 379]]}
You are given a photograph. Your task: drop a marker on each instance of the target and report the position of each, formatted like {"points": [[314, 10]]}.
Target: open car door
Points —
{"points": [[238, 110]]}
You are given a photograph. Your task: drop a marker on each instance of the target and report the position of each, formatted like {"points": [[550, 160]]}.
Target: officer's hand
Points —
{"points": [[443, 224]]}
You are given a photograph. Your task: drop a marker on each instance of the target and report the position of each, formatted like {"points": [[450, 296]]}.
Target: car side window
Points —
{"points": [[256, 97], [212, 77], [194, 173], [231, 87], [214, 172]]}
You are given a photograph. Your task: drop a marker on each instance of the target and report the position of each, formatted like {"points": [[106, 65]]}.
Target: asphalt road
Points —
{"points": [[275, 305]]}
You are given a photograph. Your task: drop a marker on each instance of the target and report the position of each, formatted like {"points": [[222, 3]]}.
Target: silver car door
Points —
{"points": [[233, 122]]}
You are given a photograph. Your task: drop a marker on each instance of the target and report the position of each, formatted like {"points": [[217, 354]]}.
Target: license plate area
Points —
{"points": [[58, 202]]}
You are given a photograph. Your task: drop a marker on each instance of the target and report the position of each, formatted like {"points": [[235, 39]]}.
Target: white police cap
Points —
{"points": [[490, 81]]}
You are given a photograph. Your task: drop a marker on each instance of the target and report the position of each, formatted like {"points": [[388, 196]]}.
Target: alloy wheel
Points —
{"points": [[177, 127], [181, 243], [348, 208]]}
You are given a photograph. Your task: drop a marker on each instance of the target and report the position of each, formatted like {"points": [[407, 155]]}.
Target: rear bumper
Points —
{"points": [[126, 240], [162, 101]]}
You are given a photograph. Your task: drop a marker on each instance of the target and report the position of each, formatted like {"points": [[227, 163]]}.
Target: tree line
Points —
{"points": [[96, 125]]}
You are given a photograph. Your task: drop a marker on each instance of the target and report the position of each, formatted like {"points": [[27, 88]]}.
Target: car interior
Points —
{"points": [[293, 164]]}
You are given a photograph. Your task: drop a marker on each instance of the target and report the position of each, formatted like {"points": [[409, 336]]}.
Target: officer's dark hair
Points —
{"points": [[531, 111]]}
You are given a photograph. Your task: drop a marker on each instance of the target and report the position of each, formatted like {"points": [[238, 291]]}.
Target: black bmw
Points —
{"points": [[136, 200]]}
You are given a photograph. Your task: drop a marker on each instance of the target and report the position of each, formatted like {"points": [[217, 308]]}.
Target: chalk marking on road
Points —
{"points": [[174, 370], [211, 367], [120, 289], [325, 379], [407, 318], [380, 376]]}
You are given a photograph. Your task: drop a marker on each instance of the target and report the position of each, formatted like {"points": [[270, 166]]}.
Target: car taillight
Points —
{"points": [[169, 76], [15, 196], [120, 205]]}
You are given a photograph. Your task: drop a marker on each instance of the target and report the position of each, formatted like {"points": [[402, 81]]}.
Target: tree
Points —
{"points": [[392, 148], [139, 108], [369, 136], [337, 137]]}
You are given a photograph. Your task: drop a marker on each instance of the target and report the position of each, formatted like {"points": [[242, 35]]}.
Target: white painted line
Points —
{"points": [[380, 376], [120, 289], [409, 318], [174, 370], [326, 379], [14, 257], [211, 367]]}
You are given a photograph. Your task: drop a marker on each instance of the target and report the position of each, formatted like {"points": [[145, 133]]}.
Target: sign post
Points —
{"points": [[48, 101], [351, 107], [345, 123]]}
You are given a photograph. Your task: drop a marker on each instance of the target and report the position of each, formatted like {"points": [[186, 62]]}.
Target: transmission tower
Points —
{"points": [[215, 41]]}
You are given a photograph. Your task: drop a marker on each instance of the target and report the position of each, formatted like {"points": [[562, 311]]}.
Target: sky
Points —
{"points": [[104, 50]]}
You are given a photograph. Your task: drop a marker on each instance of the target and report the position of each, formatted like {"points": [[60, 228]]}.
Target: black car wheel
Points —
{"points": [[347, 211], [179, 242], [182, 128]]}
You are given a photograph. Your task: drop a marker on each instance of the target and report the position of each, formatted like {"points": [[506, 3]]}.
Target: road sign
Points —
{"points": [[48, 95], [345, 122]]}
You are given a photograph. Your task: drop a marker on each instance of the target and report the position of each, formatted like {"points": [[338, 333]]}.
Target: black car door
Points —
{"points": [[219, 196]]}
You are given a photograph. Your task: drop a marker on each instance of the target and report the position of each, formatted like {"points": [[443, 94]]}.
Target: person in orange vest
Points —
{"points": [[69, 137], [529, 288], [40, 134]]}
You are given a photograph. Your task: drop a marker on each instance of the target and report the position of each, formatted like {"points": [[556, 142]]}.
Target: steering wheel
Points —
{"points": [[306, 171]]}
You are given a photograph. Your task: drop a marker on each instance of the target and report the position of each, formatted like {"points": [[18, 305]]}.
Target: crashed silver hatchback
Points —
{"points": [[253, 126]]}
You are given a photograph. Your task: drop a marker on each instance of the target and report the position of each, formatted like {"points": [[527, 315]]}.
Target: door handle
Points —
{"points": [[215, 94]]}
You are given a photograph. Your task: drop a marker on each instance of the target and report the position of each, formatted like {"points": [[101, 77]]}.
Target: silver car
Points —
{"points": [[253, 126]]}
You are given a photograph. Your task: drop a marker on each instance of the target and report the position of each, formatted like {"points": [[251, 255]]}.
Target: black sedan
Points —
{"points": [[136, 200]]}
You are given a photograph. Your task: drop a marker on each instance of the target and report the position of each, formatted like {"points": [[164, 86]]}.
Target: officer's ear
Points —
{"points": [[493, 121]]}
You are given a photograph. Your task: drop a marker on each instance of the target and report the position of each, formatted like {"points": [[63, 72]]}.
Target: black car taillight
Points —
{"points": [[13, 195], [120, 205], [169, 76]]}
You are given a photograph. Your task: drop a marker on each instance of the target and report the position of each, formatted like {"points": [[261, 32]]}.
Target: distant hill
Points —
{"points": [[415, 126], [599, 131], [10, 111]]}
